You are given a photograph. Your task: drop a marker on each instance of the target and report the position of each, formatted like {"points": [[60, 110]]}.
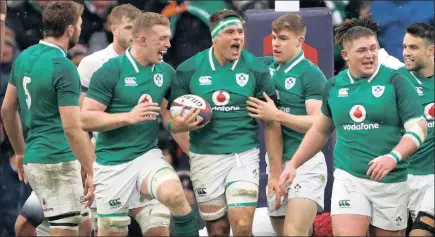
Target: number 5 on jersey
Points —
{"points": [[27, 80]]}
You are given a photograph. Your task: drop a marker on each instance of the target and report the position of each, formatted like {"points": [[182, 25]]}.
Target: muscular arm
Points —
{"points": [[181, 138], [301, 123], [407, 145], [314, 140], [11, 119], [93, 117], [77, 138], [273, 139]]}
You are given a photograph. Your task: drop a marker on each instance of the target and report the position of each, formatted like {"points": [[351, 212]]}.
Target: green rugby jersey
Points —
{"points": [[121, 84], [296, 82], [226, 88], [369, 115], [422, 161], [45, 79]]}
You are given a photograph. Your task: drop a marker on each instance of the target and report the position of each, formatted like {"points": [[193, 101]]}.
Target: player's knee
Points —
{"points": [[168, 179], [423, 225], [154, 220], [242, 194], [114, 223], [176, 200], [293, 229], [242, 227], [68, 221]]}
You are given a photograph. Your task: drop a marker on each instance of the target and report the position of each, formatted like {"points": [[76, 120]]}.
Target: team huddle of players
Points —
{"points": [[382, 115]]}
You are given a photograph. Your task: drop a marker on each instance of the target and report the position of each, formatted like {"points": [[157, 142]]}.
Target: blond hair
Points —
{"points": [[124, 11], [146, 20]]}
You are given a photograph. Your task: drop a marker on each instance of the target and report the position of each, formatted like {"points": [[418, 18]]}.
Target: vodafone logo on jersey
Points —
{"points": [[358, 114], [429, 113], [221, 98]]}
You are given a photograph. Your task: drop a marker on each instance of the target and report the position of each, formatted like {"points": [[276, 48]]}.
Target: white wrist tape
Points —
{"points": [[2, 17], [395, 155]]}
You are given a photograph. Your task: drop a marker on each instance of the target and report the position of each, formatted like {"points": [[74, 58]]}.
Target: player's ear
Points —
{"points": [[431, 51], [114, 29], [344, 55], [301, 41], [70, 30]]}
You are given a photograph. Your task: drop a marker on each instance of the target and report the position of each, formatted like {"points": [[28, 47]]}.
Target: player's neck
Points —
{"points": [[219, 57], [117, 47], [61, 42], [427, 71], [139, 56], [293, 56]]}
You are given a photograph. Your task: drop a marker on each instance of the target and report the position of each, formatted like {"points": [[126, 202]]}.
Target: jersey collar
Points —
{"points": [[111, 51], [211, 59], [290, 65], [133, 61], [352, 81], [54, 46]]}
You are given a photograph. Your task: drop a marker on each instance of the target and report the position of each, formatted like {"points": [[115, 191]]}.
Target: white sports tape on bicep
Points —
{"points": [[414, 131]]}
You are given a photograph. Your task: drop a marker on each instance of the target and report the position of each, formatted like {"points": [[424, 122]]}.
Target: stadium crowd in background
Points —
{"points": [[190, 28]]}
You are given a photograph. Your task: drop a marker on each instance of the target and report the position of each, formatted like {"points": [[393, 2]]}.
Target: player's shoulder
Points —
{"points": [[193, 62], [388, 60], [63, 63], [166, 67], [255, 64], [306, 66]]}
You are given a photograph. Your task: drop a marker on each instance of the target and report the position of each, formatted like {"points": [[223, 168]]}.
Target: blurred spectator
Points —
{"points": [[26, 20], [99, 40], [400, 15], [77, 53], [94, 17], [9, 54], [190, 28]]}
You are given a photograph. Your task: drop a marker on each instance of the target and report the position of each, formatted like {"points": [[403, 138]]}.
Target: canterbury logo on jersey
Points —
{"points": [[358, 114], [130, 81], [205, 81], [285, 109]]}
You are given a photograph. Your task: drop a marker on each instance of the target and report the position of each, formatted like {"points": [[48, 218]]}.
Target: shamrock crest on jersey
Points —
{"points": [[158, 79], [242, 79]]}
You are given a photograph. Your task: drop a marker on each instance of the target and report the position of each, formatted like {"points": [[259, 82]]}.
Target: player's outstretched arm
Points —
{"points": [[313, 142], [12, 123], [94, 118]]}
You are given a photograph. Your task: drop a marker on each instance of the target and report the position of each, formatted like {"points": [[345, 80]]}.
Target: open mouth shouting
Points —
{"points": [[235, 48], [161, 53]]}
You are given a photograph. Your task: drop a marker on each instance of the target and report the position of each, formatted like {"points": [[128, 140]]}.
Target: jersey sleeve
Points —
{"points": [[326, 110], [66, 82], [267, 60], [407, 100], [103, 83], [313, 82], [86, 69], [14, 71], [264, 82], [181, 81]]}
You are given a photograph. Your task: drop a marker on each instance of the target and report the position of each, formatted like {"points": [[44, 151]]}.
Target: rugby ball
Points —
{"points": [[192, 101]]}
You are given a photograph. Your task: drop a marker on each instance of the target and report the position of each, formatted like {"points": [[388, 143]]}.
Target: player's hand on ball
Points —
{"points": [[188, 122], [287, 177], [142, 112], [88, 191], [274, 187], [266, 111], [380, 167], [20, 169]]}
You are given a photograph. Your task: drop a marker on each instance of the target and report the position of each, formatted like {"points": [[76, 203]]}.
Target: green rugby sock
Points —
{"points": [[185, 225]]}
